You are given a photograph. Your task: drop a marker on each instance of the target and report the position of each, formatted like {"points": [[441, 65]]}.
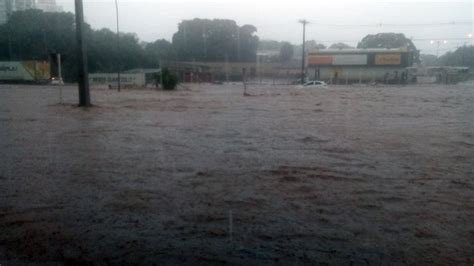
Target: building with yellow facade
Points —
{"points": [[341, 66]]}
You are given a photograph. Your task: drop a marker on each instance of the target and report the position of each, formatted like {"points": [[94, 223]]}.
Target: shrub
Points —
{"points": [[170, 81]]}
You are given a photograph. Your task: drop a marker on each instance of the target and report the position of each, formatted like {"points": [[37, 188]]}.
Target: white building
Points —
{"points": [[3, 12], [48, 6], [359, 65], [7, 7]]}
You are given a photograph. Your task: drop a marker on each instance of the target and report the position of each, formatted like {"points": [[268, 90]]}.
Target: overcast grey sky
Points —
{"points": [[158, 19]]}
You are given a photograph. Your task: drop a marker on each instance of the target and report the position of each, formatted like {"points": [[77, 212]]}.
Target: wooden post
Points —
{"points": [[83, 77]]}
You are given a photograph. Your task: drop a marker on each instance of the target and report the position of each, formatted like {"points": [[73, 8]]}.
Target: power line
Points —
{"points": [[414, 39], [379, 25]]}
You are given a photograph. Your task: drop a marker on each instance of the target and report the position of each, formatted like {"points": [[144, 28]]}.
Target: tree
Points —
{"points": [[104, 55], [312, 44], [462, 56], [159, 50], [286, 52], [386, 40], [309, 45], [389, 41], [170, 81], [215, 40], [34, 35], [269, 45], [247, 43], [340, 45]]}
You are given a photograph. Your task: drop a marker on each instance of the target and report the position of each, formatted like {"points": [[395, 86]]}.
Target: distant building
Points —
{"points": [[3, 12], [23, 4], [232, 71], [48, 6], [7, 7], [340, 66], [439, 74]]}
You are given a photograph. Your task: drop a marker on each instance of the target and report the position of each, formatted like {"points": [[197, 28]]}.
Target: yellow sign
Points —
{"points": [[37, 69], [388, 59]]}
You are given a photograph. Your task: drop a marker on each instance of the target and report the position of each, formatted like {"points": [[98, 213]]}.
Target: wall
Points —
{"points": [[232, 71], [24, 71], [106, 79], [354, 74]]}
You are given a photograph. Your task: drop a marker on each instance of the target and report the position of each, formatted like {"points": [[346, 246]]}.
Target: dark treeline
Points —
{"points": [[215, 40], [34, 35], [462, 56]]}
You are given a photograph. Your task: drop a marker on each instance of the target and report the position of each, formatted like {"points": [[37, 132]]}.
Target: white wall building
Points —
{"points": [[48, 6], [359, 65], [7, 7], [3, 12]]}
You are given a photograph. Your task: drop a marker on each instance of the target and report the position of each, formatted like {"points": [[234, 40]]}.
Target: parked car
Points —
{"points": [[314, 84], [56, 81]]}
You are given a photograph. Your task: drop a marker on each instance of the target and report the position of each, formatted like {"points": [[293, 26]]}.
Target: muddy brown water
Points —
{"points": [[347, 175]]}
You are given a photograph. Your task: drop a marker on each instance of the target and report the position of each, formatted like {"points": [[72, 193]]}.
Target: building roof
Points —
{"points": [[143, 70], [358, 51]]}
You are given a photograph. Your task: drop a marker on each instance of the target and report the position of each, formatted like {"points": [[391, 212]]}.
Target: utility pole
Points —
{"points": [[437, 46], [437, 49], [9, 34], [463, 51], [60, 78], [83, 77], [9, 43], [118, 47], [60, 70], [303, 61], [45, 45], [471, 58], [226, 68]]}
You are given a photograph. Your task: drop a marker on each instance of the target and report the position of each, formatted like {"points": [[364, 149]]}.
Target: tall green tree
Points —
{"points": [[340, 45], [215, 40], [309, 45], [389, 40], [269, 45], [386, 40], [34, 35], [286, 52], [312, 44], [159, 50], [105, 56], [462, 56]]}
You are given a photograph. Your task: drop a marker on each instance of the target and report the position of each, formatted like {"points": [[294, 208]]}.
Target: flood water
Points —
{"points": [[356, 174]]}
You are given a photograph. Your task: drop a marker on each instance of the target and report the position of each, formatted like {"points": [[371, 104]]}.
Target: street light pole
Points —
{"points": [[471, 58], [437, 46], [303, 61], [118, 47], [83, 77], [9, 43], [437, 49], [463, 51]]}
